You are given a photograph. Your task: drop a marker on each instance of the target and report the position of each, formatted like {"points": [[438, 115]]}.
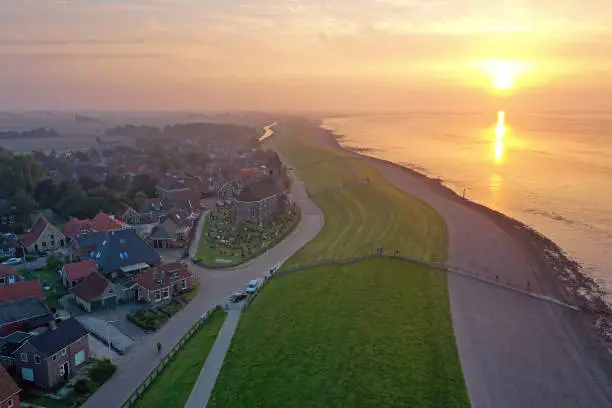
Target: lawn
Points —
{"points": [[360, 219], [173, 386], [47, 278], [224, 244], [372, 334]]}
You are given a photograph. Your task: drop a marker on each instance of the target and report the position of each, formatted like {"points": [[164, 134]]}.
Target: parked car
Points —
{"points": [[253, 285], [12, 261], [237, 297], [43, 253]]}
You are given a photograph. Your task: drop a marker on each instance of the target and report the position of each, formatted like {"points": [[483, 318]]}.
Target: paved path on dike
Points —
{"points": [[515, 351], [210, 370], [215, 285]]}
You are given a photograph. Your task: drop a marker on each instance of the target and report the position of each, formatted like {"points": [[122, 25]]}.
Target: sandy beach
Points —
{"points": [[516, 351]]}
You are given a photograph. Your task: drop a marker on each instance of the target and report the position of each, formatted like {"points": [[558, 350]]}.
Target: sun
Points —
{"points": [[503, 74]]}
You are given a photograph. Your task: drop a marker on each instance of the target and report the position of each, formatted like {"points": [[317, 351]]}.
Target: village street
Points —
{"points": [[215, 286]]}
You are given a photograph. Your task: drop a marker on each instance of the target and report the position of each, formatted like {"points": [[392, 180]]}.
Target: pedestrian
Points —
{"points": [[159, 347]]}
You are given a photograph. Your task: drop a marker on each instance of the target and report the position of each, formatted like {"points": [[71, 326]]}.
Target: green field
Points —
{"points": [[377, 333], [173, 386], [362, 218]]}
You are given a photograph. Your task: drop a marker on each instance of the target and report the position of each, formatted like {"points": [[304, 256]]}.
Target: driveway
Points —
{"points": [[215, 285]]}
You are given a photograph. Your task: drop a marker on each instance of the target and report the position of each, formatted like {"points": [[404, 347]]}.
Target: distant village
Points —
{"points": [[116, 220]]}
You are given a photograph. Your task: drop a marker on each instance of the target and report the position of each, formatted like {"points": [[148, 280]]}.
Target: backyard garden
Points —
{"points": [[153, 318], [225, 243]]}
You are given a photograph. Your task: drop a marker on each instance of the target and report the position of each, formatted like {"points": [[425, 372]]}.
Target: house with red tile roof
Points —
{"points": [[22, 290], [9, 275], [161, 284], [94, 292], [100, 223], [9, 391], [43, 236], [72, 274]]}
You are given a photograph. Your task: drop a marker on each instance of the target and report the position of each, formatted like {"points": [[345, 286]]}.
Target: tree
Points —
{"points": [[87, 183], [22, 202], [115, 182], [144, 183], [54, 262], [46, 193]]}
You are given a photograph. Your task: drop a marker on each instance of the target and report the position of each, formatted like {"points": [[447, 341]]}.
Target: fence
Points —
{"points": [[159, 368], [379, 253]]}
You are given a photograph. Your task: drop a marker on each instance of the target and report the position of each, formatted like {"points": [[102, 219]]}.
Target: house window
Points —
{"points": [[64, 351], [157, 295], [4, 219], [11, 219], [10, 403], [74, 283], [44, 244], [62, 370], [166, 293], [52, 237], [24, 357], [253, 211], [36, 358], [54, 357], [184, 284], [3, 281]]}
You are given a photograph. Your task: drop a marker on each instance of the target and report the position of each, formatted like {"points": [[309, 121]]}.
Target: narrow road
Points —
{"points": [[215, 285], [208, 376]]}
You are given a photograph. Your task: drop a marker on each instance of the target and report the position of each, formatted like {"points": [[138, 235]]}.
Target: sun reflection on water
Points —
{"points": [[500, 132]]}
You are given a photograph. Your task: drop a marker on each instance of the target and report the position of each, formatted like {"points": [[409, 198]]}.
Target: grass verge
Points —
{"points": [[173, 386], [377, 333]]}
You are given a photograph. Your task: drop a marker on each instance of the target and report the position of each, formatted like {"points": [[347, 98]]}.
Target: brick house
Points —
{"points": [[101, 222], [73, 273], [9, 275], [260, 201], [95, 292], [172, 233], [9, 391], [43, 236], [50, 358], [161, 284], [23, 315]]}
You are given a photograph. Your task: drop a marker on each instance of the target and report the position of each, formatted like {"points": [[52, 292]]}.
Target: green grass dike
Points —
{"points": [[376, 333], [373, 334]]}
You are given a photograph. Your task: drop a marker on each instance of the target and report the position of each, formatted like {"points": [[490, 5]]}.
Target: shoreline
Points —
{"points": [[556, 274]]}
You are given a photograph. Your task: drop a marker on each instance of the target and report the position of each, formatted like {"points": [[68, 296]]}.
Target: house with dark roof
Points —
{"points": [[10, 216], [95, 292], [172, 233], [9, 391], [162, 284], [73, 273], [43, 236], [9, 246], [21, 290], [116, 251], [260, 201], [23, 315], [50, 358], [9, 275], [9, 344]]}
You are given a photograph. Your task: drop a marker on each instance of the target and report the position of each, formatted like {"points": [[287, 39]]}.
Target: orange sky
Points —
{"points": [[293, 54]]}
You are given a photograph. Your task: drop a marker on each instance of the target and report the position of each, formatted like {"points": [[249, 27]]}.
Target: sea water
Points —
{"points": [[552, 171]]}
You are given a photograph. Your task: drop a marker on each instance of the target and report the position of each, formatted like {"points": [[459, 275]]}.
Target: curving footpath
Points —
{"points": [[215, 285], [515, 351]]}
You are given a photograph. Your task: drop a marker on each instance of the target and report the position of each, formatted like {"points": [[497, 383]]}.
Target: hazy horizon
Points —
{"points": [[292, 55]]}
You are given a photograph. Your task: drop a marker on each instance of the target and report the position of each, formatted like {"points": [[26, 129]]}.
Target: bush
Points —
{"points": [[83, 386], [147, 319], [102, 371]]}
